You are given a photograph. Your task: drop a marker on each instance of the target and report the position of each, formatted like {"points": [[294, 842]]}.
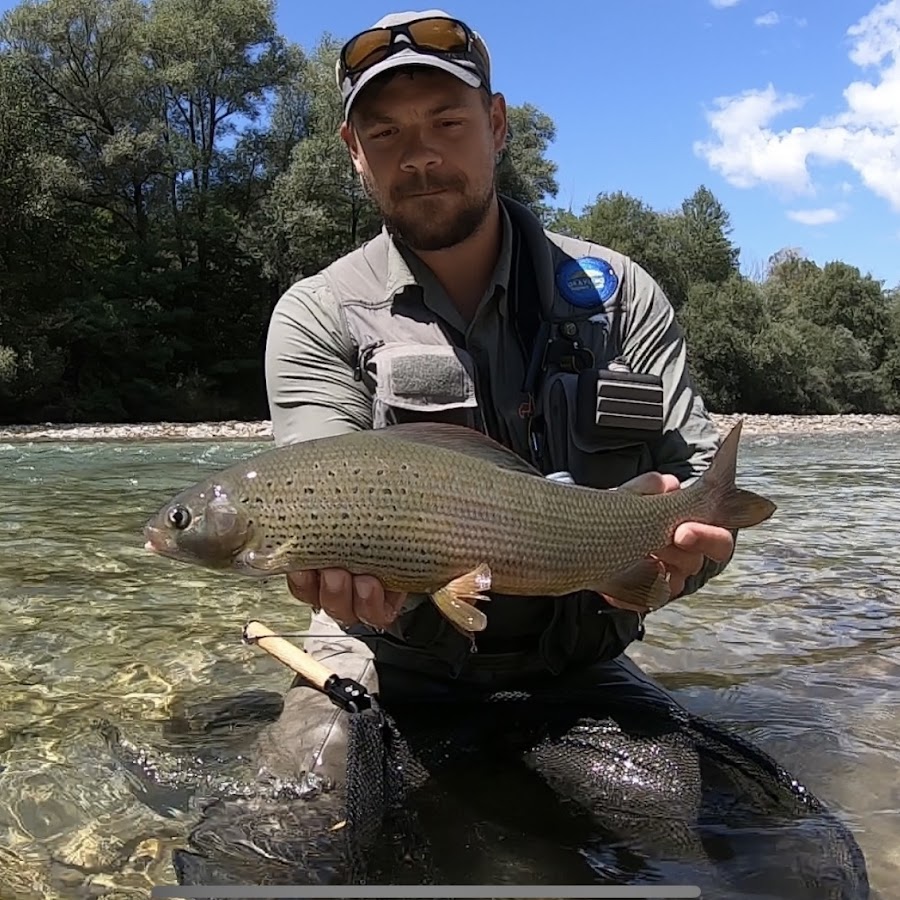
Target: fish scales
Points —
{"points": [[414, 521]]}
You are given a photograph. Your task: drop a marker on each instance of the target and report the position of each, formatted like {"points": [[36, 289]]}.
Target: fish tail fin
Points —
{"points": [[730, 506]]}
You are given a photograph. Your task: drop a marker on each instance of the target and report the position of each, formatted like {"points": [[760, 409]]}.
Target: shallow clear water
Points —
{"points": [[797, 644]]}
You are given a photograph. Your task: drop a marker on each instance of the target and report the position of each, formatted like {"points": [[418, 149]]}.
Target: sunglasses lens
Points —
{"points": [[438, 34], [367, 48]]}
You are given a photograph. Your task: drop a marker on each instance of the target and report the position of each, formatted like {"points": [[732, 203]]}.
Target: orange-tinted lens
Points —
{"points": [[438, 34], [367, 48]]}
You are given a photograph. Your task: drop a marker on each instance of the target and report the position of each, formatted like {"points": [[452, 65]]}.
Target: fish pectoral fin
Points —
{"points": [[276, 561], [641, 588], [456, 600]]}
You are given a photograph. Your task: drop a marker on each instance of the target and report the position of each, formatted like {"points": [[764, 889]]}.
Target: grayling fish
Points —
{"points": [[442, 510]]}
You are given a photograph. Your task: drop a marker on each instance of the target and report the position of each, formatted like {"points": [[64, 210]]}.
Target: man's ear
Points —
{"points": [[499, 122], [348, 136]]}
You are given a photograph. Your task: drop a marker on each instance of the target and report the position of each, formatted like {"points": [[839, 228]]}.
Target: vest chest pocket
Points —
{"points": [[421, 382], [595, 458]]}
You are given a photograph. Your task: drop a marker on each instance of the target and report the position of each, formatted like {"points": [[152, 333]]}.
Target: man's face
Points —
{"points": [[425, 145]]}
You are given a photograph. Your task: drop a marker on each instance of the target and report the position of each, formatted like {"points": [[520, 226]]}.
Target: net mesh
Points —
{"points": [[435, 794]]}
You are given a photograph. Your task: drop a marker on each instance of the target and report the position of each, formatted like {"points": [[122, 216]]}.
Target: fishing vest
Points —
{"points": [[578, 414]]}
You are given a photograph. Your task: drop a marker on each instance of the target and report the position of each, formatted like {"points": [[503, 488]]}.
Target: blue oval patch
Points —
{"points": [[586, 282]]}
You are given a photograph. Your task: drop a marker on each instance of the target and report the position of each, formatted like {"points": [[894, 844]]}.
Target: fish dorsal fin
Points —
{"points": [[462, 440]]}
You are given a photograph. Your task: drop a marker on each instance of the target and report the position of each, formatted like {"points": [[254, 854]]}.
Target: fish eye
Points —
{"points": [[179, 517]]}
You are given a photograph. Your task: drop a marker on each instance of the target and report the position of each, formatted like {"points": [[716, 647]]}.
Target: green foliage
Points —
{"points": [[804, 340], [168, 167], [524, 173]]}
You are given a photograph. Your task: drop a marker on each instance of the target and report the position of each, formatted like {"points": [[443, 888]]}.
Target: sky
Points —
{"points": [[788, 111]]}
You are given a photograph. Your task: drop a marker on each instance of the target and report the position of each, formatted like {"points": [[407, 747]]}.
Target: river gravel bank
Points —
{"points": [[255, 431]]}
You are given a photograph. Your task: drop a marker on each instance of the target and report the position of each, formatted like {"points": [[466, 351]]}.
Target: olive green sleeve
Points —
{"points": [[309, 367], [653, 343]]}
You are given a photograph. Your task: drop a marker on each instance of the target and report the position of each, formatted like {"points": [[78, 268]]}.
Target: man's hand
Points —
{"points": [[346, 598], [692, 541]]}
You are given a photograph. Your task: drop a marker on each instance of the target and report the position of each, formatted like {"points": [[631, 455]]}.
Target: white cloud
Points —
{"points": [[824, 216], [767, 19], [747, 151], [723, 4]]}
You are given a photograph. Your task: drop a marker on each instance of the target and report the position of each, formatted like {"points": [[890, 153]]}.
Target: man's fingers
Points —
{"points": [[707, 540], [683, 561], [369, 603], [304, 586], [336, 595], [373, 604], [651, 483], [395, 600], [347, 599]]}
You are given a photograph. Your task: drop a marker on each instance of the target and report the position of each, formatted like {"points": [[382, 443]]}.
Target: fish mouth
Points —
{"points": [[158, 541], [161, 542]]}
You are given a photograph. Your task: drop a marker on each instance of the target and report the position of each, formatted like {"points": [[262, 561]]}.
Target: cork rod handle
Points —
{"points": [[290, 654]]}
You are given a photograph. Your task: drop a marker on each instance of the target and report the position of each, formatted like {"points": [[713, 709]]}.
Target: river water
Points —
{"points": [[797, 645]]}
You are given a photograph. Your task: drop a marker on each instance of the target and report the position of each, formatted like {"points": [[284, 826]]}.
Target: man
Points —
{"points": [[465, 310]]}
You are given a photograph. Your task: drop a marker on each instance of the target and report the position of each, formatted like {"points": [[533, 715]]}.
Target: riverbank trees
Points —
{"points": [[167, 168]]}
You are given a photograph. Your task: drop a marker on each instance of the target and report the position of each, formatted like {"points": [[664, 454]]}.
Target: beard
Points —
{"points": [[432, 223]]}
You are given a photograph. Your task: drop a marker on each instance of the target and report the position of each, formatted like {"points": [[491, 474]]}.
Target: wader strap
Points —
{"points": [[533, 331]]}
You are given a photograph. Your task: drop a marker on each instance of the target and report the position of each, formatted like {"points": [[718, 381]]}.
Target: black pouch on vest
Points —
{"points": [[600, 424]]}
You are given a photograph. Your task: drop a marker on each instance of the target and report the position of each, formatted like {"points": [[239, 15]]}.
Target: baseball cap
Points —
{"points": [[428, 38]]}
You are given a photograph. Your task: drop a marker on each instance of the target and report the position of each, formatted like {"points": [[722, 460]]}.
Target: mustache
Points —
{"points": [[426, 184]]}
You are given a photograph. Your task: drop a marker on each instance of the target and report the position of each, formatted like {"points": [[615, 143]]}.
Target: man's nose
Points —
{"points": [[419, 153]]}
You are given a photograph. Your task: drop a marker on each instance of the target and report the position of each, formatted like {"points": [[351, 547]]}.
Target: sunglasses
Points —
{"points": [[437, 35]]}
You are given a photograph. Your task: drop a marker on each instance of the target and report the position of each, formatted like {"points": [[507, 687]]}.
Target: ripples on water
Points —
{"points": [[796, 645], [93, 626]]}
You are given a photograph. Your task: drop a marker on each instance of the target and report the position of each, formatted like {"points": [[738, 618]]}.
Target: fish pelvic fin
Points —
{"points": [[456, 600], [642, 587], [730, 506]]}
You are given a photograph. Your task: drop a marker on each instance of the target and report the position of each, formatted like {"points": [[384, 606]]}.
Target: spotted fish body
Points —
{"points": [[438, 509]]}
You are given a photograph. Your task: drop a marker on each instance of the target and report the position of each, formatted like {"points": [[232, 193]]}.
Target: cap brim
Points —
{"points": [[412, 58]]}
